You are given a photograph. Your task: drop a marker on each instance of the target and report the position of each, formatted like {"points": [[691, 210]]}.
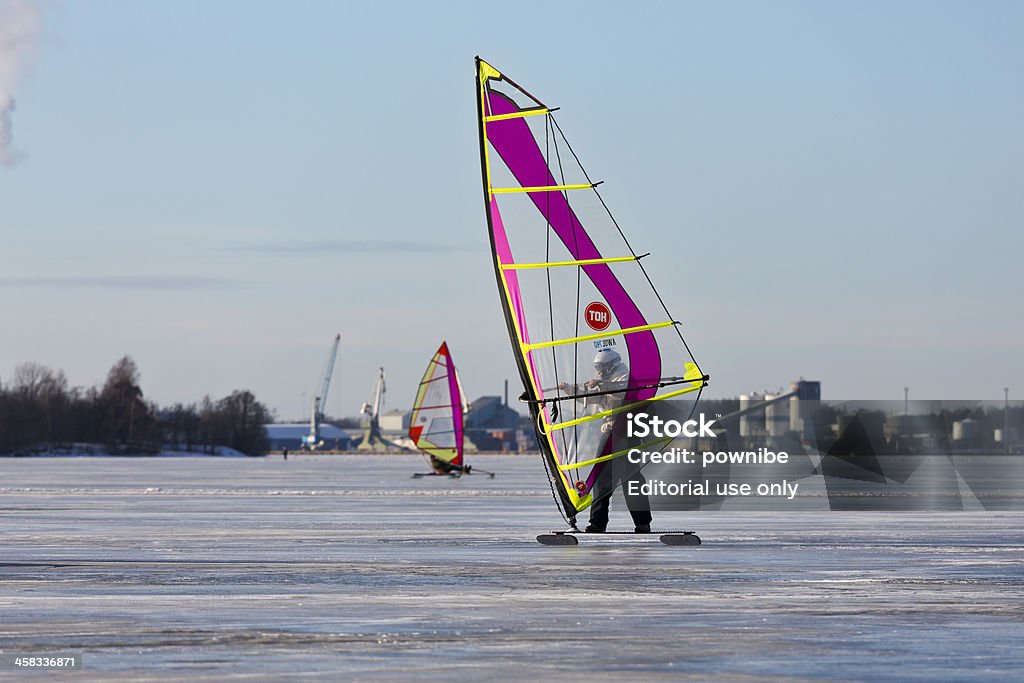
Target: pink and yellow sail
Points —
{"points": [[571, 288], [436, 424]]}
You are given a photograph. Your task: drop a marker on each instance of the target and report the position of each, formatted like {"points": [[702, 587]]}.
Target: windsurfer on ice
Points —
{"points": [[611, 375], [442, 467]]}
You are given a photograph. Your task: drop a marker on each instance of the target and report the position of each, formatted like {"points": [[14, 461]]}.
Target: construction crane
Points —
{"points": [[312, 441], [371, 409]]}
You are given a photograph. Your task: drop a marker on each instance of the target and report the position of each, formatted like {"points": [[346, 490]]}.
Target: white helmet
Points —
{"points": [[606, 361]]}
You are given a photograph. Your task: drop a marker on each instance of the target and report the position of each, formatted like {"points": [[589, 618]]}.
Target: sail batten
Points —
{"points": [[591, 337], [516, 115], [561, 264], [658, 443], [621, 409], [541, 188]]}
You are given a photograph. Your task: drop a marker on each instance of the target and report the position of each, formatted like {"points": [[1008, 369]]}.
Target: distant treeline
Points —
{"points": [[38, 410]]}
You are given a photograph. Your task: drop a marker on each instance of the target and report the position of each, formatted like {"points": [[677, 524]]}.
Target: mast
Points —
{"points": [[550, 462]]}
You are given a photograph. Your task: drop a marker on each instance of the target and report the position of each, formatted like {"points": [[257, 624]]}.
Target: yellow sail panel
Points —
{"points": [[488, 71]]}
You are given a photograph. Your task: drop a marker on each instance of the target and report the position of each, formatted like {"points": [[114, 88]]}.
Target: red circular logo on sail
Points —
{"points": [[581, 487], [597, 316]]}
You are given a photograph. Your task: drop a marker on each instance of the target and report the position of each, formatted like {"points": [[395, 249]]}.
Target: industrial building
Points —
{"points": [[291, 435], [774, 414]]}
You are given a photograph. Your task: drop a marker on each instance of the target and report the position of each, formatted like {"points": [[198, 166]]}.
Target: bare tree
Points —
{"points": [[128, 421], [244, 418], [38, 407]]}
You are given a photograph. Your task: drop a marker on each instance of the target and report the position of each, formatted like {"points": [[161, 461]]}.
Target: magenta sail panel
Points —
{"points": [[513, 140]]}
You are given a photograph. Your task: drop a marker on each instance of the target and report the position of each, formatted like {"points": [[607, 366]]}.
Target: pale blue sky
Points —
{"points": [[217, 188]]}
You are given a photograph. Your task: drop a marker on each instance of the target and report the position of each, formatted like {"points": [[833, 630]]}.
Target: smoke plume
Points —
{"points": [[19, 30]]}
